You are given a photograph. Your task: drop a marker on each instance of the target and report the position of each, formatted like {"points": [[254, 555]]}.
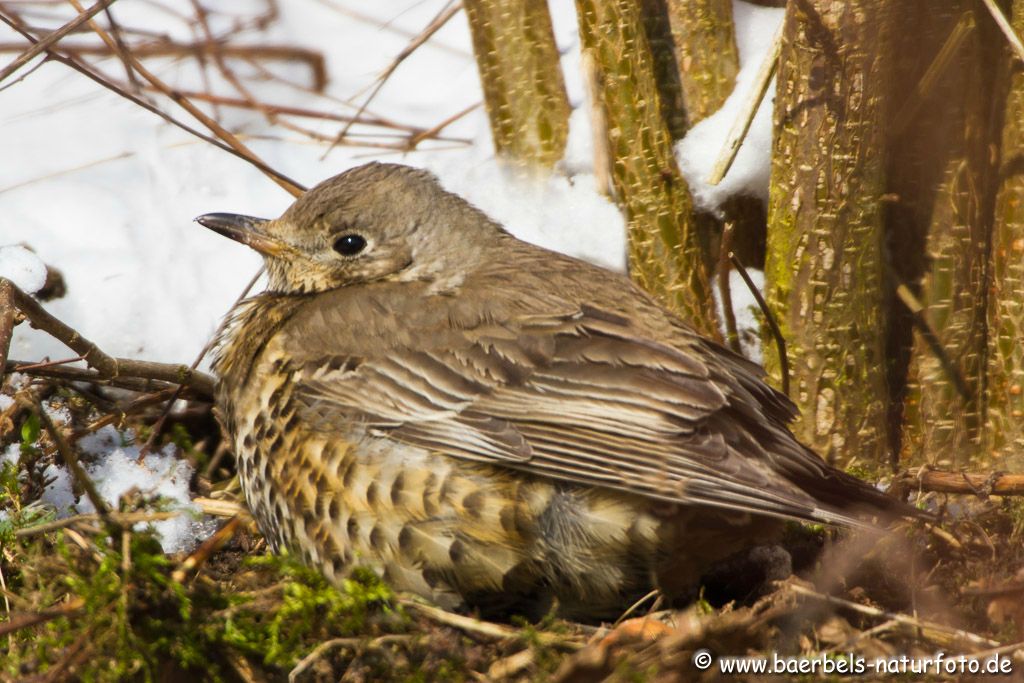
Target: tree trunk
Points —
{"points": [[940, 225], [665, 255], [825, 235], [705, 40], [524, 91], [1005, 433]]}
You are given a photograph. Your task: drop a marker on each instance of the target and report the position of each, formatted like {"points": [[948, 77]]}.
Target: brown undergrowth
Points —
{"points": [[94, 597]]}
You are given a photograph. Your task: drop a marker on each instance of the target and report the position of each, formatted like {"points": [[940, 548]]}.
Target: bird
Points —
{"points": [[489, 424]]}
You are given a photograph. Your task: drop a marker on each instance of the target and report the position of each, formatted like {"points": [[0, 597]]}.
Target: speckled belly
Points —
{"points": [[449, 530]]}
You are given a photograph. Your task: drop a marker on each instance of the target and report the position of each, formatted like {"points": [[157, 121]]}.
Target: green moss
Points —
{"points": [[309, 608], [134, 621]]}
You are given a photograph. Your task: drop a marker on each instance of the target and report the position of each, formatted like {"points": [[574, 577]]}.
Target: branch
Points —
{"points": [[107, 367], [70, 62], [977, 484], [780, 341], [741, 126], [43, 45]]}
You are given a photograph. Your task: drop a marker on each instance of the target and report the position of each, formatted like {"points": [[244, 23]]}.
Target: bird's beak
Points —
{"points": [[245, 229]]}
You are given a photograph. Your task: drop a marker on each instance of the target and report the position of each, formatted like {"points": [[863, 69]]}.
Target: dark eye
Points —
{"points": [[349, 245]]}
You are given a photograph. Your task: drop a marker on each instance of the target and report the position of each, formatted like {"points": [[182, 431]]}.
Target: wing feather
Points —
{"points": [[582, 396]]}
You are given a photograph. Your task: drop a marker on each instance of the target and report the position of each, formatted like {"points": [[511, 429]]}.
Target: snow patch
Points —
{"points": [[22, 267], [117, 469], [698, 152]]}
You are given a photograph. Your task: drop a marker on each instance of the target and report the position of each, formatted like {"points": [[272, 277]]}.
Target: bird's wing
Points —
{"points": [[577, 395]]}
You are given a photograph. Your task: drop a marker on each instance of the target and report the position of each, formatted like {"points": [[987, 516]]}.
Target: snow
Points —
{"points": [[22, 267], [116, 466], [106, 191], [699, 150], [746, 310]]}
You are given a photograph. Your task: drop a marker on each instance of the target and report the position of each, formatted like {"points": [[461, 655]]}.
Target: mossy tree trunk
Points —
{"points": [[524, 90], [940, 226], [825, 237], [706, 53], [665, 251], [1005, 433]]}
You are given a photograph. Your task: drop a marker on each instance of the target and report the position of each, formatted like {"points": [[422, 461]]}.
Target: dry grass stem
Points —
{"points": [[746, 115]]}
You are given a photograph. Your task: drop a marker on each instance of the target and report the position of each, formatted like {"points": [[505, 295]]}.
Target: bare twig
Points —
{"points": [[207, 548], [917, 315], [434, 130], [107, 367], [49, 364], [748, 111], [446, 13], [971, 483], [222, 508], [336, 643], [7, 319], [1004, 25], [77, 471], [121, 518], [780, 341], [73, 63], [732, 335], [486, 628], [931, 76], [141, 376], [44, 44], [287, 184], [947, 633], [20, 621], [168, 48]]}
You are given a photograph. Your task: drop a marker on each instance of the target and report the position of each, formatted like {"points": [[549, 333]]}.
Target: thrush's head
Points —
{"points": [[374, 222]]}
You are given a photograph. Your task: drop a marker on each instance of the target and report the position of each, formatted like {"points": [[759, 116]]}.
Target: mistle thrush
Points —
{"points": [[487, 422]]}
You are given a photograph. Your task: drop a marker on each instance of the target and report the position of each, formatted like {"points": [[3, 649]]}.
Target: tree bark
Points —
{"points": [[665, 255], [940, 226], [524, 90], [825, 233], [705, 41], [1005, 429]]}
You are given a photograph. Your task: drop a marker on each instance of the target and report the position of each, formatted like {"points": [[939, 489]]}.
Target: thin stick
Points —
{"points": [[48, 364], [435, 25], [900, 618], [140, 376], [434, 130], [1006, 28], [732, 334], [77, 471], [20, 621], [741, 126], [72, 63], [931, 76], [107, 366], [207, 548], [158, 427], [934, 343], [272, 53], [286, 184], [485, 628], [7, 318], [780, 341], [123, 518], [336, 643], [43, 44], [971, 483], [40, 319]]}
